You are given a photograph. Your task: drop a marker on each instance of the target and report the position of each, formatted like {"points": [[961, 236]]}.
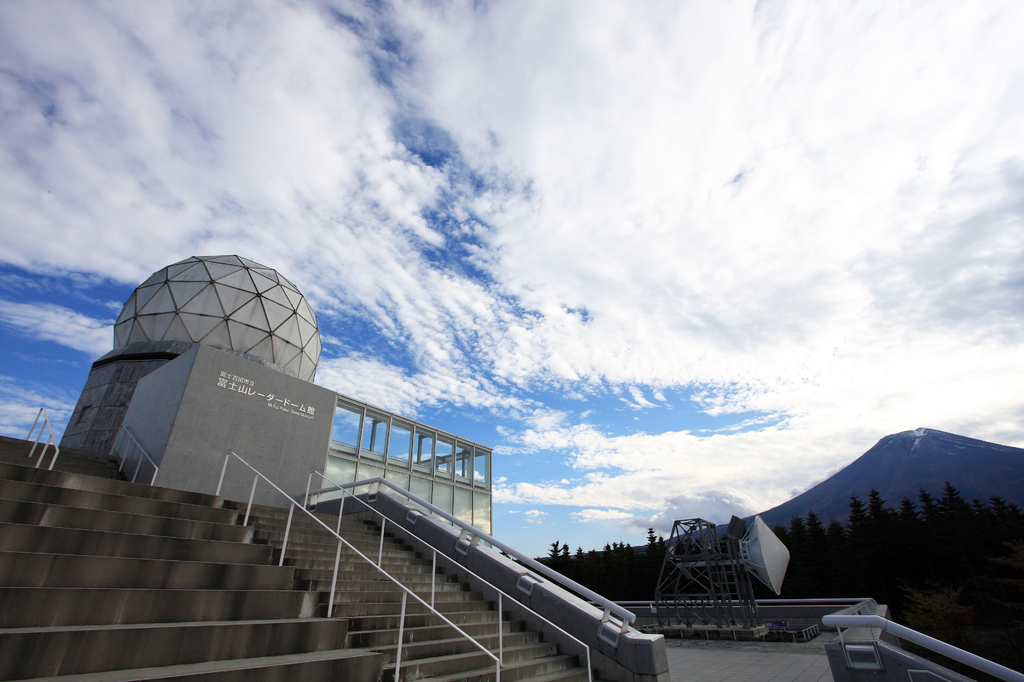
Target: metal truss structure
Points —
{"points": [[704, 578]]}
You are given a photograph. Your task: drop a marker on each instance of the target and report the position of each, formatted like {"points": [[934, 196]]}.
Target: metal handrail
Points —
{"points": [[406, 592], [609, 606], [52, 440], [903, 632], [156, 468], [385, 519]]}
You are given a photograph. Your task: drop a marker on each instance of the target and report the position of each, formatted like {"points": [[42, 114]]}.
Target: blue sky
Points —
{"points": [[670, 259]]}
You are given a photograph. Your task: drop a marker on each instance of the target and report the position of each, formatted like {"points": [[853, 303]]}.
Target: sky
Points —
{"points": [[670, 259]]}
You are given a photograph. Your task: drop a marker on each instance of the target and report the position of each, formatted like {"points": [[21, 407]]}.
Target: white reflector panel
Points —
{"points": [[767, 557]]}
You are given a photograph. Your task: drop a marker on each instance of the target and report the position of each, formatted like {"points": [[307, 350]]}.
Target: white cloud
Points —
{"points": [[534, 516], [586, 515], [19, 406], [808, 215], [67, 327]]}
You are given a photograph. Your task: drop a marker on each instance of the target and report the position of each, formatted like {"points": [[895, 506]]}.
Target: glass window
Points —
{"points": [[339, 471], [364, 472], [421, 488], [482, 468], [399, 478], [443, 496], [462, 458], [482, 512], [345, 432], [399, 441], [463, 505], [423, 449], [444, 460], [375, 432]]}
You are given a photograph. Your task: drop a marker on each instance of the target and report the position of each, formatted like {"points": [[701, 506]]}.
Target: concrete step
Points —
{"points": [[29, 569], [22, 607], [130, 504], [360, 570], [45, 652], [454, 647], [483, 619], [457, 666], [16, 451], [394, 596], [342, 664], [346, 584], [376, 639], [517, 671], [28, 538], [352, 610], [42, 514], [105, 485]]}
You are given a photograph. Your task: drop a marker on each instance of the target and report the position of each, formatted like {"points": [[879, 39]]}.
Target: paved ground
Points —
{"points": [[694, 660]]}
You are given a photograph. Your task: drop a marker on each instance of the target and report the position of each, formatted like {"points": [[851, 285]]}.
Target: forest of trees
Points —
{"points": [[940, 562]]}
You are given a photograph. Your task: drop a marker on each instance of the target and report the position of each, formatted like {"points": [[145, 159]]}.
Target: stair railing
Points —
{"points": [[433, 576], [839, 621], [122, 454], [406, 592], [51, 440], [470, 536]]}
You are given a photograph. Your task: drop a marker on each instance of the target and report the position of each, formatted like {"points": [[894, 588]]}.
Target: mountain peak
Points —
{"points": [[901, 464]]}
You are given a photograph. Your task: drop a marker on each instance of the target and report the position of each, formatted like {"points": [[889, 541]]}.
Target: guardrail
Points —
{"points": [[470, 536], [123, 456], [51, 440], [406, 592], [383, 523], [840, 621]]}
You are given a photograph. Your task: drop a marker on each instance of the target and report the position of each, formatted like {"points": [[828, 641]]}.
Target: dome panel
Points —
{"points": [[155, 325], [156, 278], [244, 337], [180, 267], [143, 294], [183, 292], [218, 270], [197, 273], [268, 273], [306, 330], [198, 326], [226, 260], [161, 302], [121, 332], [239, 280], [205, 303], [284, 352], [276, 314], [218, 336], [294, 297], [232, 299], [262, 283], [306, 312], [278, 296], [177, 330], [294, 365], [289, 331], [252, 314], [136, 334], [264, 349], [128, 311]]}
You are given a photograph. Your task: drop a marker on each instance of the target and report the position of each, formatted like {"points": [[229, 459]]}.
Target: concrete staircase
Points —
{"points": [[372, 605], [102, 579]]}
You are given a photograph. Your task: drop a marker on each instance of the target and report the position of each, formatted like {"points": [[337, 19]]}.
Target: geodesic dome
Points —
{"points": [[228, 302]]}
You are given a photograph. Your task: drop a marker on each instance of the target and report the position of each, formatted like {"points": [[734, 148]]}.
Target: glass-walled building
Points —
{"points": [[450, 472]]}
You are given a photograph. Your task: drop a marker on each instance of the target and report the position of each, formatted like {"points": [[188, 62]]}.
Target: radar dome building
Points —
{"points": [[227, 302], [218, 353]]}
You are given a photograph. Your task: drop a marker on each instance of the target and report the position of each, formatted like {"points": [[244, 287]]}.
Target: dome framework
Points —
{"points": [[227, 302]]}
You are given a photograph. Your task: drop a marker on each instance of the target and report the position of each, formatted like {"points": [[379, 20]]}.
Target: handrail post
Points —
{"points": [[433, 579], [287, 531], [29, 436], [334, 580], [223, 469], [252, 492], [501, 640], [401, 636], [309, 482], [380, 550]]}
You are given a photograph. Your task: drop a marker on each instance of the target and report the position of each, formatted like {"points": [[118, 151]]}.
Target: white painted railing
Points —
{"points": [[840, 621], [332, 486], [122, 454], [51, 439], [406, 592]]}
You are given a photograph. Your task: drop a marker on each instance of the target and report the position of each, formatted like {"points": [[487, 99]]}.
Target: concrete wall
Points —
{"points": [[192, 411], [108, 392]]}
